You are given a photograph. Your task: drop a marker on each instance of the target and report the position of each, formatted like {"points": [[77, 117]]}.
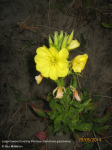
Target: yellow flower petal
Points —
{"points": [[43, 51], [62, 72], [53, 52], [63, 53], [45, 70], [62, 64], [53, 73]]}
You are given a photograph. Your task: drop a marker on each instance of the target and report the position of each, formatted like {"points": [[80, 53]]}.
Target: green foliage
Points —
{"points": [[67, 114], [30, 42], [39, 111], [100, 129], [36, 96], [85, 95], [17, 95], [107, 25], [88, 146], [40, 4], [96, 97], [25, 63], [103, 119], [83, 127], [83, 42]]}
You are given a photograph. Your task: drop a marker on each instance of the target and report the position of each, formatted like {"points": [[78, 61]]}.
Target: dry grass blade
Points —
{"points": [[70, 7], [108, 142], [13, 127], [107, 89], [49, 13]]}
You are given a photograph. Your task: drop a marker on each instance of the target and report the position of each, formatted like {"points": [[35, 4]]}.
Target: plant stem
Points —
{"points": [[96, 140]]}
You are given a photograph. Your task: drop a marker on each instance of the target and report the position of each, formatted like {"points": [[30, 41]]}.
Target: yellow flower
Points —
{"points": [[39, 78], [78, 63], [52, 63], [74, 44]]}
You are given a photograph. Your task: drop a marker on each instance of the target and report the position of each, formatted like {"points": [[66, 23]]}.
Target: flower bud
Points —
{"points": [[70, 38], [55, 38], [50, 42], [64, 41], [74, 44], [60, 39], [61, 35], [38, 78], [78, 63]]}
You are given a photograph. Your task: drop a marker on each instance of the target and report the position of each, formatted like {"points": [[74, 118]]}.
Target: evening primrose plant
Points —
{"points": [[70, 110]]}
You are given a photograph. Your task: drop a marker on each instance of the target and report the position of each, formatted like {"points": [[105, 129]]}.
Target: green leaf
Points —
{"points": [[80, 110], [52, 103], [85, 94], [66, 118], [103, 119], [96, 97], [25, 63], [66, 130], [49, 97], [99, 129], [16, 91], [75, 119], [59, 107], [91, 106], [40, 4], [81, 105], [107, 25], [49, 129], [58, 119], [36, 95], [83, 127], [86, 117], [53, 114], [39, 112], [13, 88], [28, 44], [57, 127], [20, 99], [71, 126], [75, 103], [60, 132], [74, 82], [83, 42], [88, 146], [73, 110]]}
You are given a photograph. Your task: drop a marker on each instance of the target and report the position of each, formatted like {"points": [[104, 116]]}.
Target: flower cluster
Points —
{"points": [[52, 62]]}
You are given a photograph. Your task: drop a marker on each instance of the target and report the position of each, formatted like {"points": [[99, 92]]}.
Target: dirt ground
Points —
{"points": [[17, 67]]}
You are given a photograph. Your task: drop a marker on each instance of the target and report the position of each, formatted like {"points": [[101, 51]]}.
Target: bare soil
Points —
{"points": [[17, 67]]}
